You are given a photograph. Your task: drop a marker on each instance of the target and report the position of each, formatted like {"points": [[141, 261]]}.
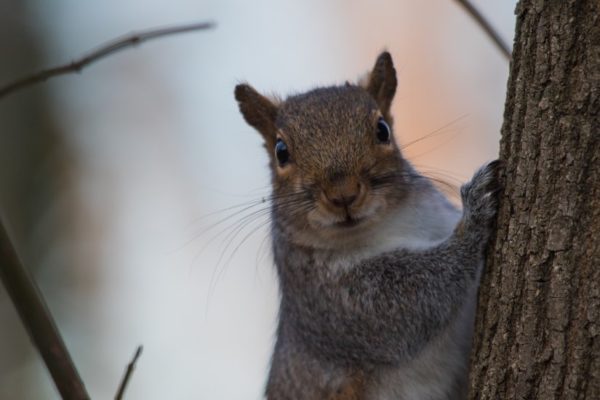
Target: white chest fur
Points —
{"points": [[424, 220]]}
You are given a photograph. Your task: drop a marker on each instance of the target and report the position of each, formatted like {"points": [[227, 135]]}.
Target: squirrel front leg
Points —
{"points": [[389, 307]]}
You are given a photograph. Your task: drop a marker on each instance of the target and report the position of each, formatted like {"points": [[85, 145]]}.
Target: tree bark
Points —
{"points": [[537, 329]]}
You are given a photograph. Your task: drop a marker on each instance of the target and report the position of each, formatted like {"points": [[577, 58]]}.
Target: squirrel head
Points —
{"points": [[336, 168]]}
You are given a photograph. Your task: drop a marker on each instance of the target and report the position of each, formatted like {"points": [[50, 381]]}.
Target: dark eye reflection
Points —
{"points": [[281, 152], [384, 133]]}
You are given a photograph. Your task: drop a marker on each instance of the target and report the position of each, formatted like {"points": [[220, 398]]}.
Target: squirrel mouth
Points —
{"points": [[349, 222]]}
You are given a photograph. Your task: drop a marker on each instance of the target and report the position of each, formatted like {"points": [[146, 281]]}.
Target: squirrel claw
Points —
{"points": [[480, 195]]}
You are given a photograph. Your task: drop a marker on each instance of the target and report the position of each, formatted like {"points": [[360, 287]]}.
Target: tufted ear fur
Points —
{"points": [[381, 83], [258, 111]]}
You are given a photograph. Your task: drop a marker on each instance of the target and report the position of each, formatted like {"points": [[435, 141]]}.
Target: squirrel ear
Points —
{"points": [[258, 111], [381, 83]]}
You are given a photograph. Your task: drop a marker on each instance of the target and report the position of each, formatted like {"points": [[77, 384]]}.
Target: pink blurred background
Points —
{"points": [[147, 142]]}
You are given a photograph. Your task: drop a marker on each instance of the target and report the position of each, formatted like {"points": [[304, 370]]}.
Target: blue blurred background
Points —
{"points": [[110, 179]]}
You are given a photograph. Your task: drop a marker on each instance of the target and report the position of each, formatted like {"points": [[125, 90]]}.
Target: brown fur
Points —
{"points": [[359, 305], [331, 135], [334, 152], [259, 111], [382, 83], [353, 388]]}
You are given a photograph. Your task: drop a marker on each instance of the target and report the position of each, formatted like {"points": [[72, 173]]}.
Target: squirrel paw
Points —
{"points": [[480, 195]]}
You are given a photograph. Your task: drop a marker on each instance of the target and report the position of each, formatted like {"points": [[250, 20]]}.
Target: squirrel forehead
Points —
{"points": [[330, 129], [329, 110]]}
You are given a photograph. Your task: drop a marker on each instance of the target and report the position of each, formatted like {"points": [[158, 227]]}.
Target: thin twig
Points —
{"points": [[110, 47], [128, 372], [485, 25], [38, 321]]}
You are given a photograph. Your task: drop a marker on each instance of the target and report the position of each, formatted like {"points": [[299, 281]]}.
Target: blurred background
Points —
{"points": [[113, 182]]}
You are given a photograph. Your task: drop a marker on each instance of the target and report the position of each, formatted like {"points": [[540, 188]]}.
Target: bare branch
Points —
{"points": [[128, 373], [485, 25], [38, 321], [108, 48]]}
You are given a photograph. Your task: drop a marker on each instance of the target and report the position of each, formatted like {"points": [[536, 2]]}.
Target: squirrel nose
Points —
{"points": [[342, 200], [345, 194]]}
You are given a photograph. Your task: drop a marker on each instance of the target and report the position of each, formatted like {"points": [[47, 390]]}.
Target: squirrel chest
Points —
{"points": [[362, 365]]}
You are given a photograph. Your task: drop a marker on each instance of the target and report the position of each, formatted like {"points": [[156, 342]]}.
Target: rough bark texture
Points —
{"points": [[537, 329]]}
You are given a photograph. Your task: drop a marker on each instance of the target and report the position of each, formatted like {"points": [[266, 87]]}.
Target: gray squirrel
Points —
{"points": [[378, 271]]}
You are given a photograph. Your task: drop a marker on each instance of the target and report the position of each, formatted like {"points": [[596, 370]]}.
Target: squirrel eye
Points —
{"points": [[281, 152], [384, 133]]}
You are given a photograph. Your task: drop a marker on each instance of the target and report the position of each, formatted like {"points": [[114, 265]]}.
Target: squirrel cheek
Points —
{"points": [[283, 172], [387, 150], [374, 205], [320, 216], [315, 218]]}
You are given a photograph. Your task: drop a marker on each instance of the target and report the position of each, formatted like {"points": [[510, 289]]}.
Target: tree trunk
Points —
{"points": [[538, 323]]}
